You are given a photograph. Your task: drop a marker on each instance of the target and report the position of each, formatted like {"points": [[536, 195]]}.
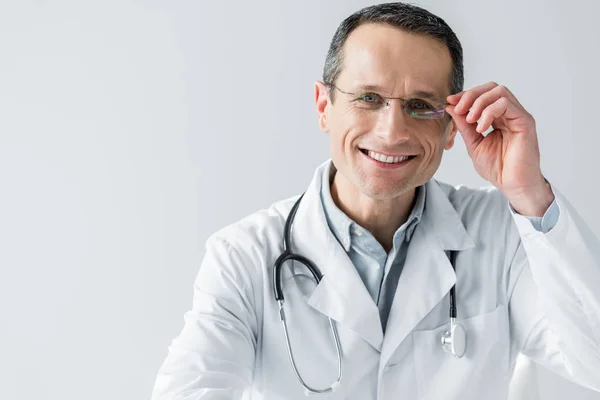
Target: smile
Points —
{"points": [[386, 159]]}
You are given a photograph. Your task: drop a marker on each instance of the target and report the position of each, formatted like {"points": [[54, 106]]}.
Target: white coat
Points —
{"points": [[517, 290]]}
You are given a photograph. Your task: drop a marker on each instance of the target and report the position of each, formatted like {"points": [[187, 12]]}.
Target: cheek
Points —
{"points": [[348, 118], [345, 128], [433, 144]]}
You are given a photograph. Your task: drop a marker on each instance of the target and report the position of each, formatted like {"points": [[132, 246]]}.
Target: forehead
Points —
{"points": [[399, 61]]}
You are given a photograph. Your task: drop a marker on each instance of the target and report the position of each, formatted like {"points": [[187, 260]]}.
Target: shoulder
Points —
{"points": [[255, 235], [477, 203], [485, 213]]}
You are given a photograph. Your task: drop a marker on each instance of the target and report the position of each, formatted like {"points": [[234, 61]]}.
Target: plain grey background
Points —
{"points": [[130, 131]]}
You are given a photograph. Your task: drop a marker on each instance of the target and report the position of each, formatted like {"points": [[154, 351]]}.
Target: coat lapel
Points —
{"points": [[427, 275], [341, 294], [426, 278]]}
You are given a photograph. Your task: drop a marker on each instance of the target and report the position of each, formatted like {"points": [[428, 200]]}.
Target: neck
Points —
{"points": [[380, 217]]}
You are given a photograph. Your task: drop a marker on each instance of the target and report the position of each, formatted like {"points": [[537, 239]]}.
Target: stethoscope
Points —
{"points": [[453, 341]]}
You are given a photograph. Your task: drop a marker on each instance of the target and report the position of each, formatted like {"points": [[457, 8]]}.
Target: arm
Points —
{"points": [[555, 305], [213, 356]]}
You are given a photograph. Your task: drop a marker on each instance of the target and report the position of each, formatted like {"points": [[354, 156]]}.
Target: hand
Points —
{"points": [[508, 156]]}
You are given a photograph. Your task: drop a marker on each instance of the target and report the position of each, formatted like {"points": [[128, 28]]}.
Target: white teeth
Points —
{"points": [[386, 159]]}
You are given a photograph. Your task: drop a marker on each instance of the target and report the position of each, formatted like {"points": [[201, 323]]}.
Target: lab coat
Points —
{"points": [[517, 290]]}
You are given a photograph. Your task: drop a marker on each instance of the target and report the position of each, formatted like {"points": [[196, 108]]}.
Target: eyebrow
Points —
{"points": [[418, 93]]}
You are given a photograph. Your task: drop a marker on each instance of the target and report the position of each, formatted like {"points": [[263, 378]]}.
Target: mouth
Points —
{"points": [[387, 159]]}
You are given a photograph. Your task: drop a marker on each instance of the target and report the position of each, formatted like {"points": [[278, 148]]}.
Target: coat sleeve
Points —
{"points": [[213, 356], [554, 305]]}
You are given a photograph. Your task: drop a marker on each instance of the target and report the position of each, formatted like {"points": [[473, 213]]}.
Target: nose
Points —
{"points": [[393, 124]]}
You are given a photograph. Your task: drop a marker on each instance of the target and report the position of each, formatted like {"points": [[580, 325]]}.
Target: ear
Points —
{"points": [[322, 103], [451, 131]]}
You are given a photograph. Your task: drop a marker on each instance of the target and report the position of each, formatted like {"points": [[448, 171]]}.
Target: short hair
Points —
{"points": [[403, 16]]}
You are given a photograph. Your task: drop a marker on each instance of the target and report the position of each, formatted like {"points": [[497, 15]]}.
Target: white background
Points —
{"points": [[130, 131]]}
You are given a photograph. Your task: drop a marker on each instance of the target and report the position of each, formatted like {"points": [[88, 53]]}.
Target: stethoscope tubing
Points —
{"points": [[288, 255]]}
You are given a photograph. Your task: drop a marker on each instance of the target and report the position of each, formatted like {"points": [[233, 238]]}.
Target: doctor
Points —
{"points": [[391, 242]]}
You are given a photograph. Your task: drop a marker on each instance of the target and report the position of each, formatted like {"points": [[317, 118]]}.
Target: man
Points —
{"points": [[391, 242]]}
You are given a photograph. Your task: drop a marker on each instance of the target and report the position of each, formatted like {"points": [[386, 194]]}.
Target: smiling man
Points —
{"points": [[381, 152], [423, 290]]}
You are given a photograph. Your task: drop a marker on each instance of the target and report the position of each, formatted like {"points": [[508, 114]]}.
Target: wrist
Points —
{"points": [[534, 201]]}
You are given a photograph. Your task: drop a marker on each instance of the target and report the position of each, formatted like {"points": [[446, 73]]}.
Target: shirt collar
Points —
{"points": [[341, 225]]}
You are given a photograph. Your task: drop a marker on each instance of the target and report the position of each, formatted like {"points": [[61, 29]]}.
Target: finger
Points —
{"points": [[471, 95], [492, 112], [491, 97], [468, 131], [453, 99], [483, 101]]}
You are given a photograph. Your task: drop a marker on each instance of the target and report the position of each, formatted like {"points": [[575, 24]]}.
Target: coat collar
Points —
{"points": [[341, 225], [341, 293], [443, 221]]}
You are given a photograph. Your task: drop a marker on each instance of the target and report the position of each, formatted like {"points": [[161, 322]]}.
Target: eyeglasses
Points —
{"points": [[416, 108]]}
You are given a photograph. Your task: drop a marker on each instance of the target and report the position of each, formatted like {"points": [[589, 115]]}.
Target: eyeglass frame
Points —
{"points": [[442, 112]]}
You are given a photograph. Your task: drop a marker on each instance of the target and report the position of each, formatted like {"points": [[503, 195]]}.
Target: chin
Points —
{"points": [[387, 191]]}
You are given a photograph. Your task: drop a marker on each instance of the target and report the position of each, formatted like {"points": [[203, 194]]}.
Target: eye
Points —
{"points": [[419, 105], [370, 98]]}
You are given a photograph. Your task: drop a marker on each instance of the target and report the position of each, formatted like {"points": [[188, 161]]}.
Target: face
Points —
{"points": [[381, 60]]}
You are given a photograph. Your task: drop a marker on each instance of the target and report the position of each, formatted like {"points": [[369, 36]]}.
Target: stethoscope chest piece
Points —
{"points": [[455, 341]]}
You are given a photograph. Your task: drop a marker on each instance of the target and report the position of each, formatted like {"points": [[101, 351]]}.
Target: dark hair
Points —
{"points": [[406, 17]]}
